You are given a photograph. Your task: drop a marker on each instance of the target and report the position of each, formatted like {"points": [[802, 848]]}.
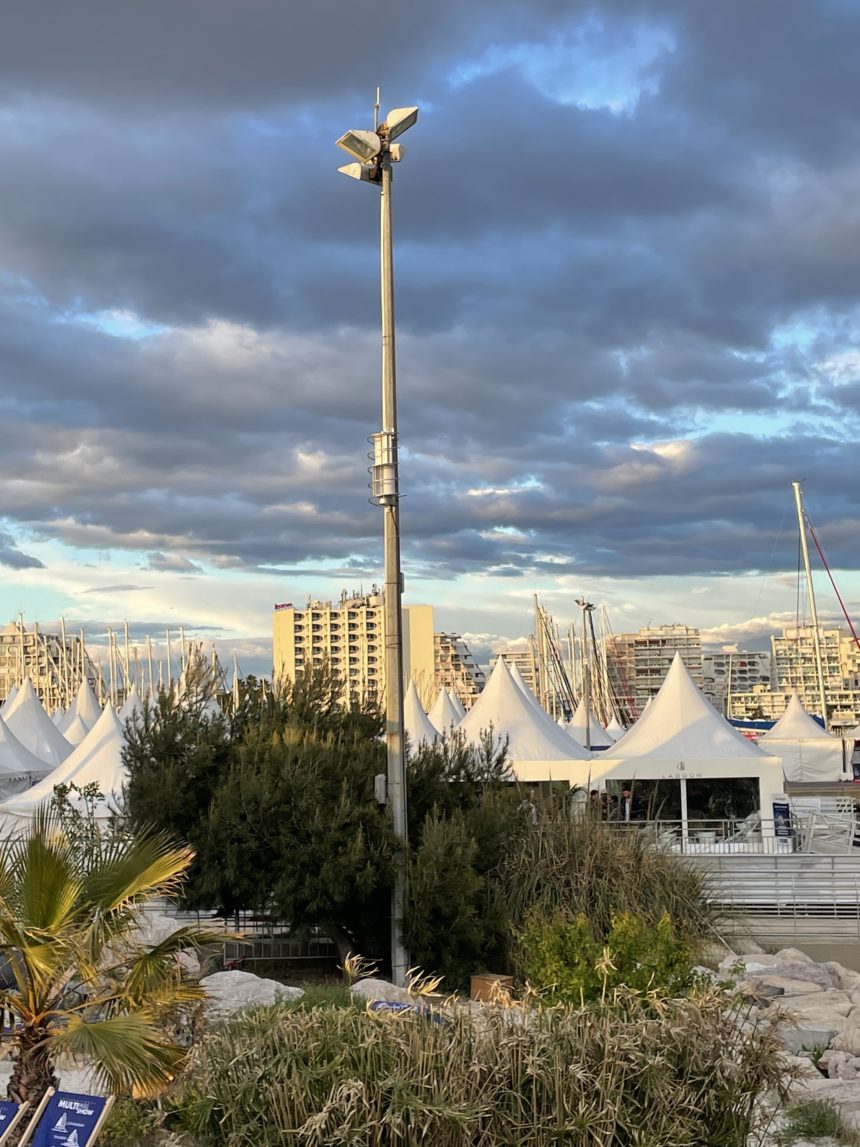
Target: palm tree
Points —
{"points": [[78, 980]]}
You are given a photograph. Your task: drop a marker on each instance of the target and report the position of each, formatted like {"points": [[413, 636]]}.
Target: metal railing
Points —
{"points": [[814, 832]]}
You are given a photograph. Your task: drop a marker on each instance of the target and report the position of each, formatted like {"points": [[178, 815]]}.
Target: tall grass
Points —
{"points": [[573, 864], [672, 1074]]}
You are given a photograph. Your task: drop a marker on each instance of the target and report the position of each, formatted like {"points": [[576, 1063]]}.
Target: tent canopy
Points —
{"points": [[419, 730], [444, 714], [599, 737], [808, 752], [33, 727], [532, 734]]}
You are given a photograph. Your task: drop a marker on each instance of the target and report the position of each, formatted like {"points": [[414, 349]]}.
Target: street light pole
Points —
{"points": [[376, 155]]}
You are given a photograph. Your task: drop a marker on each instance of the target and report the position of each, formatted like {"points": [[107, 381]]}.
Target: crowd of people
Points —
{"points": [[609, 807]]}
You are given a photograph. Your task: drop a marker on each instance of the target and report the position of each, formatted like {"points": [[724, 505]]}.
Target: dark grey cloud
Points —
{"points": [[622, 332]]}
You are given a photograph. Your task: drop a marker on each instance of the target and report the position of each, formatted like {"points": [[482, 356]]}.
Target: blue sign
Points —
{"points": [[8, 1111], [69, 1120]]}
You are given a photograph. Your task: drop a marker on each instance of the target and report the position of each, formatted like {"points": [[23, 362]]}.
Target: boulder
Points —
{"points": [[838, 1002], [792, 956], [848, 979], [373, 989], [231, 992], [748, 963], [848, 1038], [840, 1064], [818, 974], [842, 1093], [802, 1034], [155, 927]]}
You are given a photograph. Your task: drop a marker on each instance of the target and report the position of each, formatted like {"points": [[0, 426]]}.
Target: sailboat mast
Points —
{"points": [[816, 633]]}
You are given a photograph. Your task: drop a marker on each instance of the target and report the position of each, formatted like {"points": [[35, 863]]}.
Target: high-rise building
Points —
{"points": [[456, 669], [524, 660], [731, 670], [349, 636], [54, 666], [795, 670], [637, 663]]}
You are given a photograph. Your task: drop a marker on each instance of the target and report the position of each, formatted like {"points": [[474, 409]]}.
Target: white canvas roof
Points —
{"points": [[615, 729], [97, 759], [600, 738], [458, 704], [10, 697], [681, 724], [34, 728], [418, 726], [131, 706], [59, 717], [76, 731], [808, 752], [15, 760], [86, 705], [533, 735], [443, 713]]}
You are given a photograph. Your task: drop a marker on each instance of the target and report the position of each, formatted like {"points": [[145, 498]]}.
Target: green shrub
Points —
{"points": [[815, 1119], [567, 963], [561, 862], [683, 1075], [130, 1124]]}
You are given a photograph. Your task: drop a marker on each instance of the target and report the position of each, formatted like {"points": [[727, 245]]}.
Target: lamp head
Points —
{"points": [[361, 145], [366, 172], [399, 120]]}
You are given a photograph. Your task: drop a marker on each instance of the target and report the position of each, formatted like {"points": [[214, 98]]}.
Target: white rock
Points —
{"points": [[838, 1002], [849, 980], [231, 992], [808, 1032], [841, 1064], [849, 1038], [792, 956], [373, 989], [155, 927], [790, 987]]}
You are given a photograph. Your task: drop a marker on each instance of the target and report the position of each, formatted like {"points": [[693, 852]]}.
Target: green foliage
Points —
{"points": [[568, 963], [815, 1119], [130, 1124], [686, 1075], [561, 861]]}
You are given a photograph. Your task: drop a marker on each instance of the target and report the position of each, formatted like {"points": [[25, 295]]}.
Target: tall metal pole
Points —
{"points": [[816, 635], [393, 589]]}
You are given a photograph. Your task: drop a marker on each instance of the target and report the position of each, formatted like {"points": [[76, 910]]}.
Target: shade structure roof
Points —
{"points": [[98, 759], [86, 705], [615, 729], [76, 731], [599, 737], [34, 728], [681, 724], [532, 734], [418, 727], [15, 760], [808, 752], [796, 724], [443, 713], [131, 706], [458, 704], [10, 697]]}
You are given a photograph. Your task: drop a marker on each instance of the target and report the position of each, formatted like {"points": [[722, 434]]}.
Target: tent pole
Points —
{"points": [[685, 831]]}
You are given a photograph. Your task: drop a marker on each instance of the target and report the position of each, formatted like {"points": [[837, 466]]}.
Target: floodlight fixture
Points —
{"points": [[397, 151], [361, 145], [364, 171], [400, 120]]}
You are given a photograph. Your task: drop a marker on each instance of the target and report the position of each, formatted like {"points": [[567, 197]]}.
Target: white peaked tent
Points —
{"points": [[681, 736], [131, 706], [59, 717], [600, 738], [18, 767], [76, 731], [520, 682], [615, 729], [458, 704], [537, 749], [98, 759], [10, 697], [415, 720], [86, 706], [443, 713], [808, 752], [34, 728]]}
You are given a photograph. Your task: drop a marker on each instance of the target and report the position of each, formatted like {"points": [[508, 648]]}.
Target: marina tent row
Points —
{"points": [[419, 729], [98, 759], [808, 752], [538, 750]]}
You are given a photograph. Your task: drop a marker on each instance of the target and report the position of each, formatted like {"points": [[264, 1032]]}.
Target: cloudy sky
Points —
{"points": [[628, 305]]}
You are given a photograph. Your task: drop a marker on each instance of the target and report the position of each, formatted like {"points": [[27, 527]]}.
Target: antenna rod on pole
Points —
{"points": [[816, 634]]}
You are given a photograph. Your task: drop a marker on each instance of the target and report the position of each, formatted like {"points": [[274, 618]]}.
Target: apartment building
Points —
{"points": [[456, 669], [637, 663], [54, 662], [731, 670]]}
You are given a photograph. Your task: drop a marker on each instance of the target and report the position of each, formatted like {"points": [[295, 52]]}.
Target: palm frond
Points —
{"points": [[148, 866], [152, 969], [48, 888], [129, 1054]]}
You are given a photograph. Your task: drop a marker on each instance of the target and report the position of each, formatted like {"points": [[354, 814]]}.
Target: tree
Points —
{"points": [[80, 980]]}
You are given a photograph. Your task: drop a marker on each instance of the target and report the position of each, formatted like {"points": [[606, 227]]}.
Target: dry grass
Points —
{"points": [[635, 1074]]}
